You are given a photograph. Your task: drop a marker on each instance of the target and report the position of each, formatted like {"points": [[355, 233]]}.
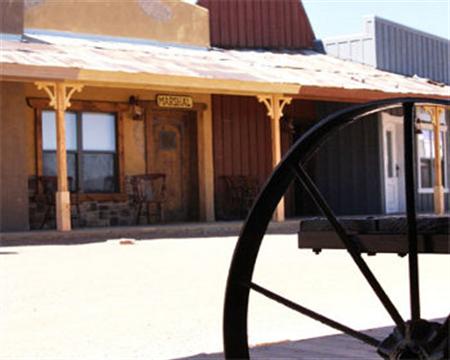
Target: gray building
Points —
{"points": [[364, 163], [396, 48]]}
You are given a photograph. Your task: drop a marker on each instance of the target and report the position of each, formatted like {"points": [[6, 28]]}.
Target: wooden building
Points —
{"points": [[94, 104]]}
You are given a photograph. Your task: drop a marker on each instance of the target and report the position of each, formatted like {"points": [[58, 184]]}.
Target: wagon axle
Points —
{"points": [[422, 340]]}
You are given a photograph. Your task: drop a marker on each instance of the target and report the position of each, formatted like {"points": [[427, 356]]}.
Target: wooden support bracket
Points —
{"points": [[275, 104], [51, 89]]}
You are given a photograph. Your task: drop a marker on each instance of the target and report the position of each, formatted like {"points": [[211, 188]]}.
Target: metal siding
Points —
{"points": [[411, 52], [425, 203], [241, 146], [269, 24], [358, 49], [396, 48]]}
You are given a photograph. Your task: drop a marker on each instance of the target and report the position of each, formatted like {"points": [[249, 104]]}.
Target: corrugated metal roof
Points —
{"points": [[305, 68], [268, 24]]}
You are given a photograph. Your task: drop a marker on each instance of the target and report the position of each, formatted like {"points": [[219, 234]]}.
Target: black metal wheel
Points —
{"points": [[416, 338]]}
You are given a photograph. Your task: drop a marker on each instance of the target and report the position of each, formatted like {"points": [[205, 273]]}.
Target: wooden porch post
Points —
{"points": [[59, 100], [438, 186], [275, 105], [206, 163], [438, 193]]}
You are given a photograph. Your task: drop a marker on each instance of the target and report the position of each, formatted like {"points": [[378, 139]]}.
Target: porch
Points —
{"points": [[155, 231]]}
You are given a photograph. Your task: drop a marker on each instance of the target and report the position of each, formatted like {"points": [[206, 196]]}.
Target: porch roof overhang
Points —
{"points": [[124, 63]]}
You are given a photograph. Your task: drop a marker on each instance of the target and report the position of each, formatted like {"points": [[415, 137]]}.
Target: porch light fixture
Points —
{"points": [[136, 110], [417, 127]]}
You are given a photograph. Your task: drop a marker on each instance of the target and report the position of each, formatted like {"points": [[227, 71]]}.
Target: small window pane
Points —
{"points": [[99, 132], [99, 173], [168, 140], [49, 167], [49, 130], [426, 173], [426, 154], [390, 163]]}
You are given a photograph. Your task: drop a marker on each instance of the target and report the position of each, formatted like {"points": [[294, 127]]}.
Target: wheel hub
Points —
{"points": [[422, 340]]}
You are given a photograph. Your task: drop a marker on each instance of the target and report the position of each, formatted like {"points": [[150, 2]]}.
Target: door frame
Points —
{"points": [[396, 123], [204, 144]]}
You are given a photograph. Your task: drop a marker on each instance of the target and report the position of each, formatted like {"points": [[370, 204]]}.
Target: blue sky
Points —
{"points": [[338, 17]]}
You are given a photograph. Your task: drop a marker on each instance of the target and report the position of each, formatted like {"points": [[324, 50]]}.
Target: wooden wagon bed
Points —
{"points": [[378, 234]]}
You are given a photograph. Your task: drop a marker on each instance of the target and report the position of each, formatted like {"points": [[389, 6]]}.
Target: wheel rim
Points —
{"points": [[239, 281]]}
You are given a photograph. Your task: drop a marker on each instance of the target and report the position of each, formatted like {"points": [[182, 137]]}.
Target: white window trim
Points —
{"points": [[430, 190]]}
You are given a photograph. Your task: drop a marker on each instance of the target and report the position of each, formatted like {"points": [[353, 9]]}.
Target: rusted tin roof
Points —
{"points": [[265, 71]]}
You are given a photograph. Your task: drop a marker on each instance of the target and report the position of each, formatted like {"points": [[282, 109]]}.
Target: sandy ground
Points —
{"points": [[163, 299]]}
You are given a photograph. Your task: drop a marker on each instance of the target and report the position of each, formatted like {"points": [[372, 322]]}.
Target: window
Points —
{"points": [[91, 143], [426, 155]]}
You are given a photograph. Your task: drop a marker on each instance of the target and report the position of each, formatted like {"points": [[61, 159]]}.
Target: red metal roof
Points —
{"points": [[259, 24]]}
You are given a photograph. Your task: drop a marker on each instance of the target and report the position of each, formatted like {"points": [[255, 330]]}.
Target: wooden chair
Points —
{"points": [[46, 189], [149, 189], [242, 190]]}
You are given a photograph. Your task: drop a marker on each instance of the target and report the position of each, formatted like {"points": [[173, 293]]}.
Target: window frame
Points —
{"points": [[444, 130], [79, 106]]}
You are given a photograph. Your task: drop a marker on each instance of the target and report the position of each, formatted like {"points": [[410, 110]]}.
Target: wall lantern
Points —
{"points": [[136, 110], [418, 127]]}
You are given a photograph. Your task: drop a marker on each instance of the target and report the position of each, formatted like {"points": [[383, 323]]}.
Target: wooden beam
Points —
{"points": [[325, 93], [60, 94], [275, 105]]}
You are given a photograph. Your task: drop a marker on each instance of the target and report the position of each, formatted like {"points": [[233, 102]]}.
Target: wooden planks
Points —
{"points": [[386, 234], [241, 143]]}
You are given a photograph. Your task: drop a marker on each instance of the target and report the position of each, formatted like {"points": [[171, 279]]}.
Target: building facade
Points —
{"points": [[188, 92]]}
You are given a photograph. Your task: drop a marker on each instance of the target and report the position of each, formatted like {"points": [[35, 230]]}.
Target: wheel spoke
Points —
{"points": [[327, 321], [349, 243], [410, 191]]}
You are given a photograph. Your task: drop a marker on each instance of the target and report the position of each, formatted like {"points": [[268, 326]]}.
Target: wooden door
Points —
{"points": [[174, 153]]}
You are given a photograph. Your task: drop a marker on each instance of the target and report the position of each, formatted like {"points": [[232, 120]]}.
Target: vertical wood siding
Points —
{"points": [[347, 168], [261, 24], [241, 142]]}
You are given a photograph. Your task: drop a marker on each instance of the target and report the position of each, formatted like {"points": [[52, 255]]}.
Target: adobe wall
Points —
{"points": [[13, 158], [167, 21]]}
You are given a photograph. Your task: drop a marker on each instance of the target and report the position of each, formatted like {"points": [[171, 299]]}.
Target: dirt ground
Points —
{"points": [[163, 299]]}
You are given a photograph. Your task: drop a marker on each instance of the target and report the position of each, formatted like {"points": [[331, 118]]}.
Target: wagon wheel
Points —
{"points": [[415, 338]]}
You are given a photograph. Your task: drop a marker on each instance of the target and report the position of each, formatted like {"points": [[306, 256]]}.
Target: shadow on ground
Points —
{"points": [[321, 348]]}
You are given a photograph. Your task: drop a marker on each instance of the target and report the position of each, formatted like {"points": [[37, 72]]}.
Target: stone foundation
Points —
{"points": [[87, 213]]}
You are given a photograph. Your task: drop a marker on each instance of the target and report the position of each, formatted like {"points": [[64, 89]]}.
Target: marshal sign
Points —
{"points": [[174, 101]]}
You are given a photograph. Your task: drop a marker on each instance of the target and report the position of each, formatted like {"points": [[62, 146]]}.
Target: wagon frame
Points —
{"points": [[416, 338]]}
